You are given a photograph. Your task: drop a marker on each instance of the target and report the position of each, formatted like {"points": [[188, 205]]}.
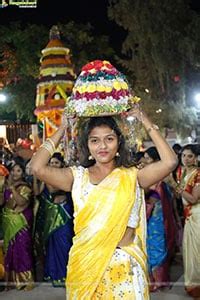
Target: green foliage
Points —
{"points": [[160, 51], [24, 43]]}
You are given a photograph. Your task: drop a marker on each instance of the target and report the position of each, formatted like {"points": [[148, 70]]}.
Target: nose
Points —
{"points": [[103, 144]]}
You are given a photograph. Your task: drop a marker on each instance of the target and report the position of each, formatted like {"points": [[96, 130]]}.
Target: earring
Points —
{"points": [[117, 154], [90, 157]]}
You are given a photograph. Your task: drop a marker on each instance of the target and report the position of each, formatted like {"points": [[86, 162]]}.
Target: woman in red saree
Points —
{"points": [[189, 189]]}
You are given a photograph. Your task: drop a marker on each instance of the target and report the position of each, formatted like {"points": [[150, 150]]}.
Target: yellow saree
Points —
{"points": [[101, 218]]}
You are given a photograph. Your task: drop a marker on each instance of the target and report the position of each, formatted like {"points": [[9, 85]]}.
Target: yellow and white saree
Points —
{"points": [[97, 269]]}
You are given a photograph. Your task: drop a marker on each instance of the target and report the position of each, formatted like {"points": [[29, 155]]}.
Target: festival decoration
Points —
{"points": [[55, 83], [100, 89]]}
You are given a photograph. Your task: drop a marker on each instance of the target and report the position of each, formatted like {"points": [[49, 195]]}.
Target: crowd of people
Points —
{"points": [[36, 226], [107, 227], [37, 217]]}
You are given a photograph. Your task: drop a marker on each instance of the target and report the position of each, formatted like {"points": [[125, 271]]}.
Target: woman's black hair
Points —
{"points": [[192, 147], [177, 148], [123, 159], [153, 153], [21, 165]]}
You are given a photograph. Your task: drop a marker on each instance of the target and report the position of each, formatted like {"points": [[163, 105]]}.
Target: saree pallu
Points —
{"points": [[191, 241], [18, 260], [160, 236], [96, 269], [191, 248], [58, 234], [38, 234]]}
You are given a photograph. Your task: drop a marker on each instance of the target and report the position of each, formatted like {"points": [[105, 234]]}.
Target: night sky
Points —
{"points": [[50, 12]]}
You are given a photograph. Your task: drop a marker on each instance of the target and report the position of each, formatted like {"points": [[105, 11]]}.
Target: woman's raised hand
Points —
{"points": [[136, 112]]}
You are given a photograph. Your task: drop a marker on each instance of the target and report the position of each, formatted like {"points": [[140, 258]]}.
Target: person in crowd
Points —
{"points": [[189, 189], [177, 149], [3, 175], [139, 159], [108, 255], [160, 228], [53, 228], [175, 178], [17, 219], [172, 180], [58, 228]]}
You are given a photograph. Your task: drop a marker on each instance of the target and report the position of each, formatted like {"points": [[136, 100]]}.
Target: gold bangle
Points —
{"points": [[49, 146], [152, 127], [52, 143], [45, 146]]}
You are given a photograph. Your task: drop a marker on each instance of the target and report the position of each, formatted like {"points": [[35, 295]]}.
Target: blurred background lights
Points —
{"points": [[130, 118], [158, 110], [197, 99], [2, 98]]}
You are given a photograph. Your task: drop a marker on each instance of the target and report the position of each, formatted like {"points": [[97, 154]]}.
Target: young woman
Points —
{"points": [[108, 255], [17, 219], [53, 229], [189, 190], [160, 228], [58, 228]]}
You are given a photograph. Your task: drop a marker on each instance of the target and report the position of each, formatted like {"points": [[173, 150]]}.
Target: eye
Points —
{"points": [[93, 140], [110, 138]]}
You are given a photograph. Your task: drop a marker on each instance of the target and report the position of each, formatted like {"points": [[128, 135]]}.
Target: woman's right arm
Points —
{"points": [[61, 178]]}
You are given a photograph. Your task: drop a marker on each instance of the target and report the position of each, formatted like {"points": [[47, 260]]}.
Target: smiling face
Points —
{"points": [[103, 144]]}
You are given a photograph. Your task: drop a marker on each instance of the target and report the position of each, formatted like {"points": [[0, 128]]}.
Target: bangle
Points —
{"points": [[52, 144], [152, 127], [49, 146]]}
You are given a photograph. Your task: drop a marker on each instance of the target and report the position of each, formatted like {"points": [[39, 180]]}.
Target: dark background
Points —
{"points": [[50, 12]]}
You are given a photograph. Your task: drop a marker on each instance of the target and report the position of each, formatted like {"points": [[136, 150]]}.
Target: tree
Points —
{"points": [[20, 53], [160, 51]]}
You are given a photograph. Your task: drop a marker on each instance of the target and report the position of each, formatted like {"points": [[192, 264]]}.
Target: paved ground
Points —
{"points": [[45, 291]]}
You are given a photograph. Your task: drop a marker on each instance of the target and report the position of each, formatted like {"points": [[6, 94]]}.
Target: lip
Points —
{"points": [[103, 153]]}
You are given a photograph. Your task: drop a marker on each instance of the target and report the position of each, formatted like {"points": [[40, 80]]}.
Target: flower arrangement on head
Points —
{"points": [[100, 89]]}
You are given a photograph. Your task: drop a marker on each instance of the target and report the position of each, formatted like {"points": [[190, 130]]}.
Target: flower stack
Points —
{"points": [[55, 84], [100, 89]]}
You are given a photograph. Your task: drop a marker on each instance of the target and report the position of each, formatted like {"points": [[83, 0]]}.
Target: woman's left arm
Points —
{"points": [[194, 197], [156, 171]]}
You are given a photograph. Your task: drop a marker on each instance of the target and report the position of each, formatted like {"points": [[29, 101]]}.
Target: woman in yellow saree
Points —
{"points": [[189, 189], [108, 256]]}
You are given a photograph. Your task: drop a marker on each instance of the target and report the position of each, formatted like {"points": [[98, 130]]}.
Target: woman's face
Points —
{"points": [[148, 159], [103, 144], [54, 162], [188, 158], [17, 173]]}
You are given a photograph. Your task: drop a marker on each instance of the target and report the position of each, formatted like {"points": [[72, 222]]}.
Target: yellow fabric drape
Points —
{"points": [[99, 226]]}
